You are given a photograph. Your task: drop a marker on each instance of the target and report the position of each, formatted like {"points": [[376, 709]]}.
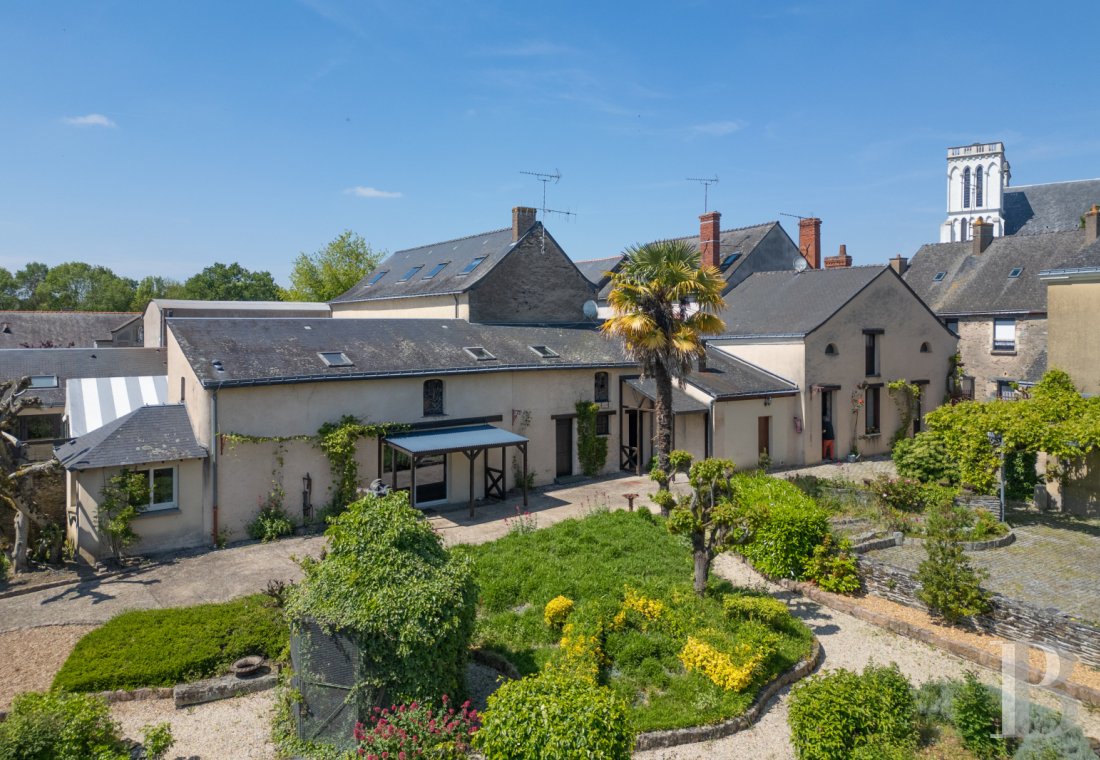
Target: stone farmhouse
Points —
{"points": [[982, 279], [480, 370]]}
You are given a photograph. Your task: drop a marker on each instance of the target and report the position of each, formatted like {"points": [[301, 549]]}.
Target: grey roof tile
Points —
{"points": [[727, 377], [147, 434], [456, 255], [1054, 207], [980, 284], [792, 303], [69, 363], [682, 403], [77, 329], [595, 270], [266, 351]]}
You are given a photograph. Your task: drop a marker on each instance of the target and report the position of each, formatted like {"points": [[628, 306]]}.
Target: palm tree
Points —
{"points": [[664, 302]]}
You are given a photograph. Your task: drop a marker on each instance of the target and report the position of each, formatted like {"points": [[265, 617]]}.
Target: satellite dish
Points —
{"points": [[800, 265], [591, 310]]}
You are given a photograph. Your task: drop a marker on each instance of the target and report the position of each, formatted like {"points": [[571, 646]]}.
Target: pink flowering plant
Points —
{"points": [[403, 732]]}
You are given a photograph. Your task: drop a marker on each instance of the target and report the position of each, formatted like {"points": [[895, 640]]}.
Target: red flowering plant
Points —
{"points": [[403, 732]]}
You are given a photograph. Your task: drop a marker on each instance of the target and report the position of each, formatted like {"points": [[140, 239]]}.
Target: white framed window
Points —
{"points": [[1004, 334], [43, 381], [161, 489]]}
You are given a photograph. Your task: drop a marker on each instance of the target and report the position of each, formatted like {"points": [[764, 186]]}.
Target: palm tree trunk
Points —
{"points": [[662, 407]]}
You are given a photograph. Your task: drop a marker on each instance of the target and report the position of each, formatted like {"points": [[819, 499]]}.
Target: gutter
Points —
{"points": [[214, 465]]}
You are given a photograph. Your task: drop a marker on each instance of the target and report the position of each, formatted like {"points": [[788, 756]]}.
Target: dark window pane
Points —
{"points": [[433, 397], [601, 393], [164, 482], [603, 426]]}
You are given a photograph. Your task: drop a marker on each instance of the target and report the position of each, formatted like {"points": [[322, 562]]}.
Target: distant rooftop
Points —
{"points": [[62, 329]]}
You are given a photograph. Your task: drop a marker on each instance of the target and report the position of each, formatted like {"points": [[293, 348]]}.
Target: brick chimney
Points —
{"points": [[523, 219], [841, 261], [710, 243], [983, 235], [1092, 224], [899, 264], [809, 240]]}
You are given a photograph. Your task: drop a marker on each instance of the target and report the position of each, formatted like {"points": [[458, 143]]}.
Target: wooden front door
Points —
{"points": [[565, 447], [763, 435]]}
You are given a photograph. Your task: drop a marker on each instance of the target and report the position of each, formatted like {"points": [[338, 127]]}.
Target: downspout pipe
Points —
{"points": [[214, 465]]}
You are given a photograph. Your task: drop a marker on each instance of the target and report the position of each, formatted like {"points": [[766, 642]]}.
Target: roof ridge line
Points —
{"points": [[1010, 188], [451, 240], [727, 229]]}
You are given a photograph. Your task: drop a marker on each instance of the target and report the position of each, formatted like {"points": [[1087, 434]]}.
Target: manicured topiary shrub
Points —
{"points": [[787, 524], [60, 727], [388, 583], [554, 715], [834, 714]]}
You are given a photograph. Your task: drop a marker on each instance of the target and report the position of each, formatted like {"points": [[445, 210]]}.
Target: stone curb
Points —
{"points": [[970, 546], [1080, 692], [692, 734], [223, 687]]}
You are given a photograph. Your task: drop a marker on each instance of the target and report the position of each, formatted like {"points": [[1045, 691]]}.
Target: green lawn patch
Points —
{"points": [[630, 580], [170, 646]]}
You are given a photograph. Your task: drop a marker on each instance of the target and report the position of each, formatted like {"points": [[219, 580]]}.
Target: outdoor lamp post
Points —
{"points": [[996, 441]]}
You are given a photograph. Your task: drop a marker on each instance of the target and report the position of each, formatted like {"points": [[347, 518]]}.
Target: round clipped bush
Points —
{"points": [[60, 726], [788, 525], [557, 611], [554, 715], [388, 584], [834, 714]]}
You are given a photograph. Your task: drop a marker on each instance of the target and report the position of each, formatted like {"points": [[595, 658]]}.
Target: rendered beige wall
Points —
{"points": [[736, 431], [158, 531], [151, 325], [1073, 343], [420, 307]]}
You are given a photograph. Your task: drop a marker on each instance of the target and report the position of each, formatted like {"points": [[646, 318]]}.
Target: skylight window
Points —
{"points": [[43, 381], [378, 277], [335, 359], [473, 265], [1016, 272], [436, 270], [545, 352], [728, 261], [478, 353], [939, 276], [411, 273]]}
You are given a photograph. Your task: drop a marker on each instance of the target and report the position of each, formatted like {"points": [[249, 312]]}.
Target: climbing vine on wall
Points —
{"points": [[591, 448], [905, 395]]}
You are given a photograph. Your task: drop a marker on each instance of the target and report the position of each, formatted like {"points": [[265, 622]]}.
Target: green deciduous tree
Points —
{"points": [[664, 302], [27, 281], [9, 297], [220, 282], [83, 287], [155, 287], [333, 270]]}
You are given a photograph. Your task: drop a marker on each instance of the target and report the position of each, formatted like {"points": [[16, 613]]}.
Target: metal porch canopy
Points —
{"points": [[471, 441]]}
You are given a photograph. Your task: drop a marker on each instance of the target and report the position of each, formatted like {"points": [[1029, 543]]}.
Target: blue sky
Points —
{"points": [[159, 137]]}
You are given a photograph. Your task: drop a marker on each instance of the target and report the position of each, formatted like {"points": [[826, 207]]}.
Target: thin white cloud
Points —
{"points": [[360, 191], [716, 128], [90, 120]]}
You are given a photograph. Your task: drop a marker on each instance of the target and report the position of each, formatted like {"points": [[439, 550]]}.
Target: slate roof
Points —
{"points": [[456, 254], [682, 403], [727, 377], [68, 363], [79, 329], [594, 269], [741, 240], [1085, 260], [269, 351], [981, 284], [310, 308], [147, 434], [1054, 207], [791, 304]]}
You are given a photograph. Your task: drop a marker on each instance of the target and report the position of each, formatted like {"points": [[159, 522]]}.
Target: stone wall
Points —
{"points": [[1008, 619], [987, 366]]}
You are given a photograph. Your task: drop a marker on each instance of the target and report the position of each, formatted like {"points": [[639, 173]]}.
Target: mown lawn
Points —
{"points": [[170, 646], [593, 562]]}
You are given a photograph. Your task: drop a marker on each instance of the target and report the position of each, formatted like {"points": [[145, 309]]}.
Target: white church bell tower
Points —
{"points": [[976, 178]]}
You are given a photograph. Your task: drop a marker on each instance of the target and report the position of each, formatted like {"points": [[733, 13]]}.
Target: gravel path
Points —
{"points": [[29, 660]]}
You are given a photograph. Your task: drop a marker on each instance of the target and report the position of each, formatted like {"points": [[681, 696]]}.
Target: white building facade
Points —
{"points": [[977, 176]]}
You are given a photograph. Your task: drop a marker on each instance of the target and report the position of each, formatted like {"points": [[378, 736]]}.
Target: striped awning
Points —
{"points": [[92, 402]]}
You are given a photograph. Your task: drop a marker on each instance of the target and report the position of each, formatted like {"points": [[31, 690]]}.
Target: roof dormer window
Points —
{"points": [[436, 270], [939, 276], [43, 381], [479, 353], [335, 359], [411, 273], [473, 265], [728, 261], [377, 277], [1016, 272], [545, 352]]}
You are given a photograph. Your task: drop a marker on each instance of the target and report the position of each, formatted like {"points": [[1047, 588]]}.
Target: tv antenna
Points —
{"points": [[797, 216], [706, 183], [546, 178]]}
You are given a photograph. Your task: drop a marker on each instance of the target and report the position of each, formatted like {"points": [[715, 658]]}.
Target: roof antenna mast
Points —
{"points": [[545, 179], [706, 183]]}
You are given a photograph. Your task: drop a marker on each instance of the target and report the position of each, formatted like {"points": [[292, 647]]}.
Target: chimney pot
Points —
{"points": [[523, 219], [710, 243], [841, 261], [900, 264], [809, 240], [1092, 224], [982, 235]]}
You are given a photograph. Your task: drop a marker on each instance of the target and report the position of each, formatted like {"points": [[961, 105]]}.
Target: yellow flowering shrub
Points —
{"points": [[648, 609], [580, 654], [557, 611], [721, 668]]}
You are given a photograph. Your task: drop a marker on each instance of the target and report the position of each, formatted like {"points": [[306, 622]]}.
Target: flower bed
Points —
{"points": [[634, 625]]}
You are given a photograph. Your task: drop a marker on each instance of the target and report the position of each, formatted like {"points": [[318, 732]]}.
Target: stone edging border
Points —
{"points": [[1080, 692], [897, 539], [691, 734]]}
